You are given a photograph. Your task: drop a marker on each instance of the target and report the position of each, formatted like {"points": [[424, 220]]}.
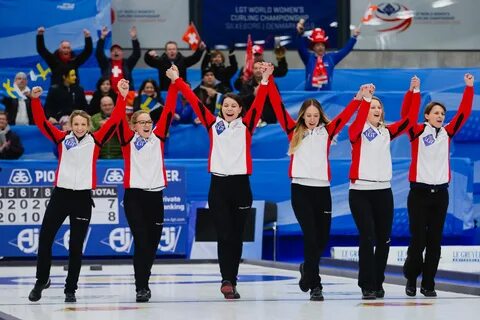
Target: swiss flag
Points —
{"points": [[248, 70], [192, 37], [369, 13]]}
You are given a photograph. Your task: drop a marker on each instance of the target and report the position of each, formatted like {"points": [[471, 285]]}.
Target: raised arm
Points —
{"points": [[42, 50], [163, 123], [205, 116], [337, 124], [196, 56], [136, 52], [253, 114], [106, 131], [286, 121], [465, 108], [342, 53], [409, 111], [302, 42], [355, 130], [45, 127], [100, 49], [87, 50]]}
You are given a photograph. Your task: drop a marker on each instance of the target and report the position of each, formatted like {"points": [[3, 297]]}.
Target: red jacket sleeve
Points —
{"points": [[410, 105], [356, 128], [46, 128], [253, 114], [161, 128], [205, 116], [463, 112], [337, 124], [106, 131], [284, 118]]}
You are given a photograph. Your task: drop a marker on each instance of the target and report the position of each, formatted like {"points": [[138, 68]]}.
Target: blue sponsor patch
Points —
{"points": [[220, 127], [70, 143], [370, 134], [139, 143], [428, 140]]}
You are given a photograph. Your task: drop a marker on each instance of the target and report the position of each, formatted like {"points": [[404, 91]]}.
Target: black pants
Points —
{"points": [[313, 209], [426, 212], [230, 199], [372, 211], [77, 205], [144, 212]]}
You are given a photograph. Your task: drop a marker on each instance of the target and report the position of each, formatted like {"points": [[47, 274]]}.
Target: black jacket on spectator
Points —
{"points": [[279, 71], [62, 100], [162, 63], [127, 64], [15, 149], [56, 65], [247, 95], [11, 107], [203, 96], [222, 73]]}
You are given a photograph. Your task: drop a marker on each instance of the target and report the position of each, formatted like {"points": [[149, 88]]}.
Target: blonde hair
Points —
{"points": [[301, 127], [136, 114], [82, 114], [381, 123]]}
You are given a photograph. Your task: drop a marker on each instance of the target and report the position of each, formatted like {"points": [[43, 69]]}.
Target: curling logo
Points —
{"points": [[397, 16]]}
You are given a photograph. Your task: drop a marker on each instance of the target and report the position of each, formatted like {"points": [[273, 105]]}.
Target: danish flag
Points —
{"points": [[191, 37]]}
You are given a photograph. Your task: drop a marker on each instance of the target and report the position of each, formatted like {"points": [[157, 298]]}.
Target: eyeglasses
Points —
{"points": [[143, 122]]}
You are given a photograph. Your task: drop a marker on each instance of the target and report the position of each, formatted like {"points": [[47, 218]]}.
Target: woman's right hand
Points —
{"points": [[123, 87], [367, 90], [36, 92], [469, 79], [415, 83], [172, 73]]}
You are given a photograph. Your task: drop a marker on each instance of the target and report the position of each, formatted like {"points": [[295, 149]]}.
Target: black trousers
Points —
{"points": [[313, 209], [230, 199], [144, 211], [427, 209], [77, 205], [372, 211]]}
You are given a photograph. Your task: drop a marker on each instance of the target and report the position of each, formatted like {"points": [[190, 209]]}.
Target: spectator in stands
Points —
{"points": [[428, 197], [172, 56], [184, 112], [215, 60], [63, 58], [10, 144], [310, 137], [117, 67], [230, 163], [370, 195], [149, 99], [280, 70], [319, 65], [111, 149], [63, 98], [104, 88], [18, 109], [249, 91], [209, 91]]}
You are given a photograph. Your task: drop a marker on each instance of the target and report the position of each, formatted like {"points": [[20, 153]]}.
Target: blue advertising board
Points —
{"points": [[25, 192]]}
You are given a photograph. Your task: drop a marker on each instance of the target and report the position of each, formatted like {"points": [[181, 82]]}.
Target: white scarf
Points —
{"points": [[3, 134]]}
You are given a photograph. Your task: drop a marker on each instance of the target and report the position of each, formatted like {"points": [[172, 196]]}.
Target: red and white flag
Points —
{"points": [[368, 15], [248, 70], [192, 37]]}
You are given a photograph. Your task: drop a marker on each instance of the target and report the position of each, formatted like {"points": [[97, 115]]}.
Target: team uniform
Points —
{"points": [[144, 180], [370, 194], [74, 179], [310, 173], [428, 197], [230, 163]]}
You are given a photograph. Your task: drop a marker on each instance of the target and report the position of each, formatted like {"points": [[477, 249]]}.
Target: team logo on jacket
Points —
{"points": [[70, 143], [139, 143], [428, 140], [220, 127], [370, 134]]}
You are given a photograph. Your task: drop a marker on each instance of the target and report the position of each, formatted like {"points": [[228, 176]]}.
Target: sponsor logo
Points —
{"points": [[20, 176], [370, 134], [220, 127], [169, 240], [428, 140], [66, 6], [173, 176], [113, 176], [139, 143], [120, 240], [27, 240], [65, 240], [70, 143]]}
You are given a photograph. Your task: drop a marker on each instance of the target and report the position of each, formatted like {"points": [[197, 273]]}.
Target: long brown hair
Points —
{"points": [[382, 117], [300, 127]]}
